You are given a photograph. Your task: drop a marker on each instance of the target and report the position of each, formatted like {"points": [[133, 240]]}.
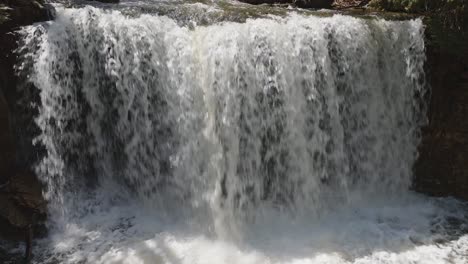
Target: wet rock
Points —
{"points": [[16, 13], [299, 3], [21, 202], [442, 166], [259, 2], [342, 4], [418, 6], [26, 192], [7, 154], [22, 211], [314, 3], [13, 14], [13, 215]]}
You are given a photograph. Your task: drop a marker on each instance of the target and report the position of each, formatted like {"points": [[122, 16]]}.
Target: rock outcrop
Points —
{"points": [[21, 203], [442, 167], [342, 4], [418, 6]]}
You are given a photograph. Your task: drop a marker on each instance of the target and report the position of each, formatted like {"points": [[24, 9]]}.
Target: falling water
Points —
{"points": [[277, 139]]}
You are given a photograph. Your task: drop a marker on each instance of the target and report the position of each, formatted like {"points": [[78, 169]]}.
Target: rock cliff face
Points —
{"points": [[20, 192], [442, 168], [13, 14], [417, 6]]}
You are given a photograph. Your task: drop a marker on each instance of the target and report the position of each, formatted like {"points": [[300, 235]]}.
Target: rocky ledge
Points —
{"points": [[336, 4]]}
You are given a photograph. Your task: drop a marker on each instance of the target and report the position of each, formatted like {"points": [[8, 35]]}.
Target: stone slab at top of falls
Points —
{"points": [[208, 12]]}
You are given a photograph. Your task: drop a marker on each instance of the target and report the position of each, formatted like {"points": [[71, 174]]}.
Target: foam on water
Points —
{"points": [[412, 230], [276, 140]]}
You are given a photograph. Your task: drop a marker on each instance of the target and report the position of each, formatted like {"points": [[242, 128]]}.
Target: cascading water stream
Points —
{"points": [[271, 140]]}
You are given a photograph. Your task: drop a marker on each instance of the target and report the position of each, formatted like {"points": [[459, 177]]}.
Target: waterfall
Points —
{"points": [[222, 124]]}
